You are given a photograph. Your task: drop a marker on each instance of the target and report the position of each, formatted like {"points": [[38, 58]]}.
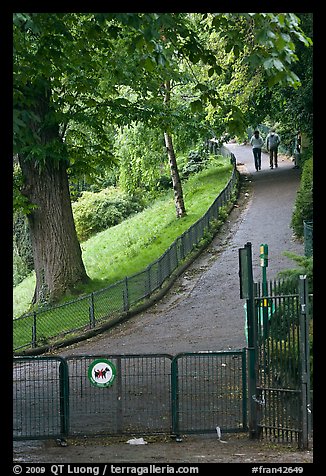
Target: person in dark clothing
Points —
{"points": [[272, 143]]}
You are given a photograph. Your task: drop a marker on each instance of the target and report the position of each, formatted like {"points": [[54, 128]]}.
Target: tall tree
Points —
{"points": [[68, 69]]}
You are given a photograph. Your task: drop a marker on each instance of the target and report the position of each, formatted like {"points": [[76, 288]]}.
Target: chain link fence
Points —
{"points": [[308, 229], [42, 327]]}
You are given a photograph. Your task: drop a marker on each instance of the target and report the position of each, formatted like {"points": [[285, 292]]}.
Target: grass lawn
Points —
{"points": [[129, 247]]}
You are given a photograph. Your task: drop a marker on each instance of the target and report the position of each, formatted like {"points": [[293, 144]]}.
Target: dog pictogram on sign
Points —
{"points": [[101, 373]]}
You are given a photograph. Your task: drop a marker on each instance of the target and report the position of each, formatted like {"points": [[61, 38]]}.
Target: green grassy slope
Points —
{"points": [[129, 247]]}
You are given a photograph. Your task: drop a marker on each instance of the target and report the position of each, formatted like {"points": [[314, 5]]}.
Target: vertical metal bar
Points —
{"points": [[64, 397], [91, 312], [175, 397], [119, 395], [125, 295], [305, 360], [34, 330], [244, 389], [148, 281], [252, 347]]}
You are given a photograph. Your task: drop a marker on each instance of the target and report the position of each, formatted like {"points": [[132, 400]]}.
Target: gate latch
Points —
{"points": [[260, 401]]}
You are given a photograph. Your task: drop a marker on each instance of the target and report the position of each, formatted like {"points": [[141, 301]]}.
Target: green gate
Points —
{"points": [[283, 373], [278, 329]]}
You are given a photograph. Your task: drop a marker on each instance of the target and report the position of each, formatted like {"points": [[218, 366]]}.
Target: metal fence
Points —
{"points": [[209, 390], [308, 229], [40, 397], [139, 401], [88, 312], [283, 372], [153, 393]]}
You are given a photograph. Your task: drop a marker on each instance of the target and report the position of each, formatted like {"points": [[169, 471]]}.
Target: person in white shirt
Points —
{"points": [[257, 142]]}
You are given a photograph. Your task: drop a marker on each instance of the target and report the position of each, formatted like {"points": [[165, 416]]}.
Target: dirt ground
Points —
{"points": [[202, 311], [234, 448]]}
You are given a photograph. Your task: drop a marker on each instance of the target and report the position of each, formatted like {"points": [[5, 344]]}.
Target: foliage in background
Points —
{"points": [[305, 267], [142, 157], [22, 249]]}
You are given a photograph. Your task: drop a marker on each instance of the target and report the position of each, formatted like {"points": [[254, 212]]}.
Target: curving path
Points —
{"points": [[203, 310]]}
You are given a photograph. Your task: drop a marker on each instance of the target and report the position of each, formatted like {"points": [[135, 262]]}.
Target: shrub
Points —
{"points": [[94, 212], [196, 162], [303, 207]]}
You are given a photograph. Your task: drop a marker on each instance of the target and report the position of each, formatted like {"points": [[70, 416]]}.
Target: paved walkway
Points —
{"points": [[268, 217], [204, 311]]}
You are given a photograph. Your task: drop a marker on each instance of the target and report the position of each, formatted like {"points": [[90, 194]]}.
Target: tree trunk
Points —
{"points": [[176, 182], [177, 187], [56, 251]]}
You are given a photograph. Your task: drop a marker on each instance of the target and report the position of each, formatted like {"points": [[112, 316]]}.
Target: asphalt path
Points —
{"points": [[203, 310]]}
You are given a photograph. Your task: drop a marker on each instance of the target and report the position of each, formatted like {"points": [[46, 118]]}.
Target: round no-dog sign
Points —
{"points": [[101, 373]]}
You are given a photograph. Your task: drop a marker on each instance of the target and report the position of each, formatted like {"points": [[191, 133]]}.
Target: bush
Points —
{"points": [[196, 162], [94, 212], [164, 182], [303, 207]]}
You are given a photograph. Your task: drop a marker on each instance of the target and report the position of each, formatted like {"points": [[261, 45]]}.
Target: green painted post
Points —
{"points": [[175, 398], [91, 312], [244, 389], [247, 291], [125, 295], [34, 342], [64, 397], [264, 263], [252, 343], [305, 362]]}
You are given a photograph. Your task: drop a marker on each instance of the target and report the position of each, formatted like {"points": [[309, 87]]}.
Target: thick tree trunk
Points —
{"points": [[176, 182], [56, 250]]}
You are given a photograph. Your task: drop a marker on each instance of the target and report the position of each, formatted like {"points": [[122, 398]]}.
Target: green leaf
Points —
{"points": [[278, 64], [148, 64], [196, 106]]}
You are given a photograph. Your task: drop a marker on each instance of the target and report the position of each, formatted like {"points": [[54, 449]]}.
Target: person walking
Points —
{"points": [[297, 150], [272, 142], [257, 142]]}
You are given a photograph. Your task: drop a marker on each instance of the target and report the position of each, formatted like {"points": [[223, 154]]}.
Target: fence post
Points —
{"points": [[64, 397], [175, 399], [305, 362], [244, 389], [247, 291], [91, 312], [148, 285], [126, 295], [34, 330], [119, 412]]}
